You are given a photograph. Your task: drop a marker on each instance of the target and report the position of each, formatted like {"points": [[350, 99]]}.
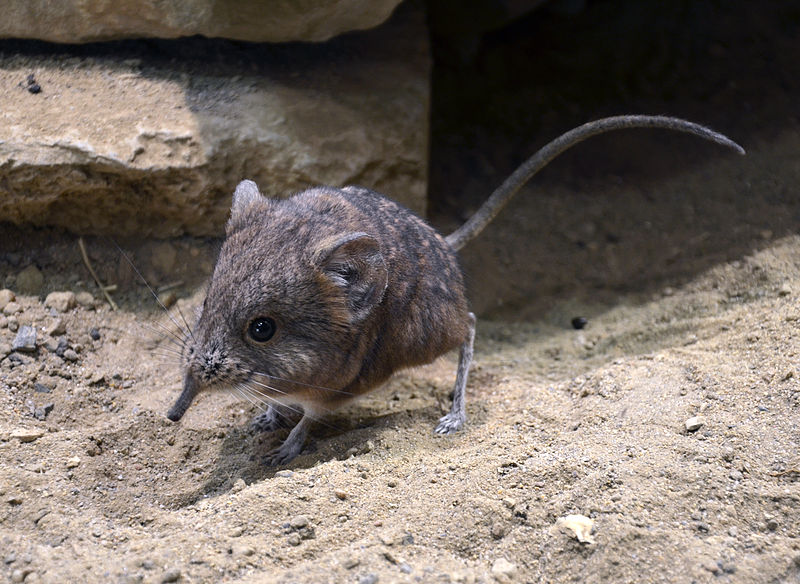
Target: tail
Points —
{"points": [[498, 199]]}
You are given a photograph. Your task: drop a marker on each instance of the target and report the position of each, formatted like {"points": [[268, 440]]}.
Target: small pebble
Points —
{"points": [[294, 540], [6, 296], [85, 299], [238, 485], [579, 322], [695, 423], [42, 412], [18, 576], [95, 334], [27, 435], [736, 475], [70, 355], [12, 308], [73, 462], [341, 495], [171, 576], [299, 522], [60, 301], [284, 473], [25, 341], [502, 567], [56, 328], [368, 579]]}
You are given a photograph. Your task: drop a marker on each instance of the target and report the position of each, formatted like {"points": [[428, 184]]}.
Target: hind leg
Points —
{"points": [[453, 421]]}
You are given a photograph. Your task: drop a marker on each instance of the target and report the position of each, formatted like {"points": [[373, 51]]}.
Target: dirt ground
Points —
{"points": [[685, 261]]}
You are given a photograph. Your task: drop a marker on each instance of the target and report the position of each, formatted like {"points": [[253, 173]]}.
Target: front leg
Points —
{"points": [[274, 418], [453, 421], [293, 444]]}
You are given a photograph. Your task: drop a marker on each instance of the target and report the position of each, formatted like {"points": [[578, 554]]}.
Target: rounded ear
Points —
{"points": [[244, 196], [354, 263]]}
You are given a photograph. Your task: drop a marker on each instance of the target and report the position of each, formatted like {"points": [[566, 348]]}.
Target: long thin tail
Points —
{"points": [[498, 199]]}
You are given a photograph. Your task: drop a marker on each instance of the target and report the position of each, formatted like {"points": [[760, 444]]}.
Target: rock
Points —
{"points": [[694, 424], [30, 280], [26, 434], [12, 308], [70, 355], [42, 412], [5, 349], [25, 341], [299, 522], [503, 568], [6, 296], [60, 301], [85, 299], [170, 576], [81, 21], [56, 328], [73, 462], [161, 153], [579, 526]]}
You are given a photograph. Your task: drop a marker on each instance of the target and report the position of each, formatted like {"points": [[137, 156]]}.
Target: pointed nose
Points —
{"points": [[190, 389]]}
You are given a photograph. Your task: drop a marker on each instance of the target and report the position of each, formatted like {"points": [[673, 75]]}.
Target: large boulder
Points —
{"points": [[79, 21], [153, 140]]}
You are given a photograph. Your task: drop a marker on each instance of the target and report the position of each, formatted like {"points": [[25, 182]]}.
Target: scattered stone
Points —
{"points": [[391, 483], [27, 434], [736, 475], [299, 522], [60, 301], [25, 341], [5, 349], [70, 355], [294, 540], [244, 550], [579, 525], [284, 473], [579, 322], [12, 308], [15, 500], [694, 423], [499, 530], [238, 486], [6, 296], [56, 328], [503, 568], [772, 523], [62, 346], [73, 462], [341, 495], [85, 299], [30, 281], [18, 576], [171, 576], [95, 334], [368, 579], [42, 412]]}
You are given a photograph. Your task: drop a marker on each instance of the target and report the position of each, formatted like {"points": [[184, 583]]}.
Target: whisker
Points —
{"points": [[153, 292], [309, 385]]}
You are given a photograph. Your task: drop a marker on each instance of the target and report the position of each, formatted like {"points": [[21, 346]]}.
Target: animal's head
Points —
{"points": [[289, 298]]}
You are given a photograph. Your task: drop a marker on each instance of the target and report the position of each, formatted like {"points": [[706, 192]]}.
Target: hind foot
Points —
{"points": [[450, 423]]}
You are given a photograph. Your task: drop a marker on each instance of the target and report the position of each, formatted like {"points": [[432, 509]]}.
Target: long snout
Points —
{"points": [[190, 388]]}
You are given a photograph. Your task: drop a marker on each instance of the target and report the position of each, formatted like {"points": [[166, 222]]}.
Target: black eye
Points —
{"points": [[261, 329]]}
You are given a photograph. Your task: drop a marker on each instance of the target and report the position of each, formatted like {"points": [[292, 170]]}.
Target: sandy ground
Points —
{"points": [[686, 262], [562, 422]]}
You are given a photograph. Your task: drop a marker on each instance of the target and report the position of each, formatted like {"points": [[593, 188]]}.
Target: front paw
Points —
{"points": [[268, 421], [284, 454], [450, 423]]}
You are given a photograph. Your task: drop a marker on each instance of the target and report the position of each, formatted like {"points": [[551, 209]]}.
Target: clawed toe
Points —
{"points": [[449, 424]]}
